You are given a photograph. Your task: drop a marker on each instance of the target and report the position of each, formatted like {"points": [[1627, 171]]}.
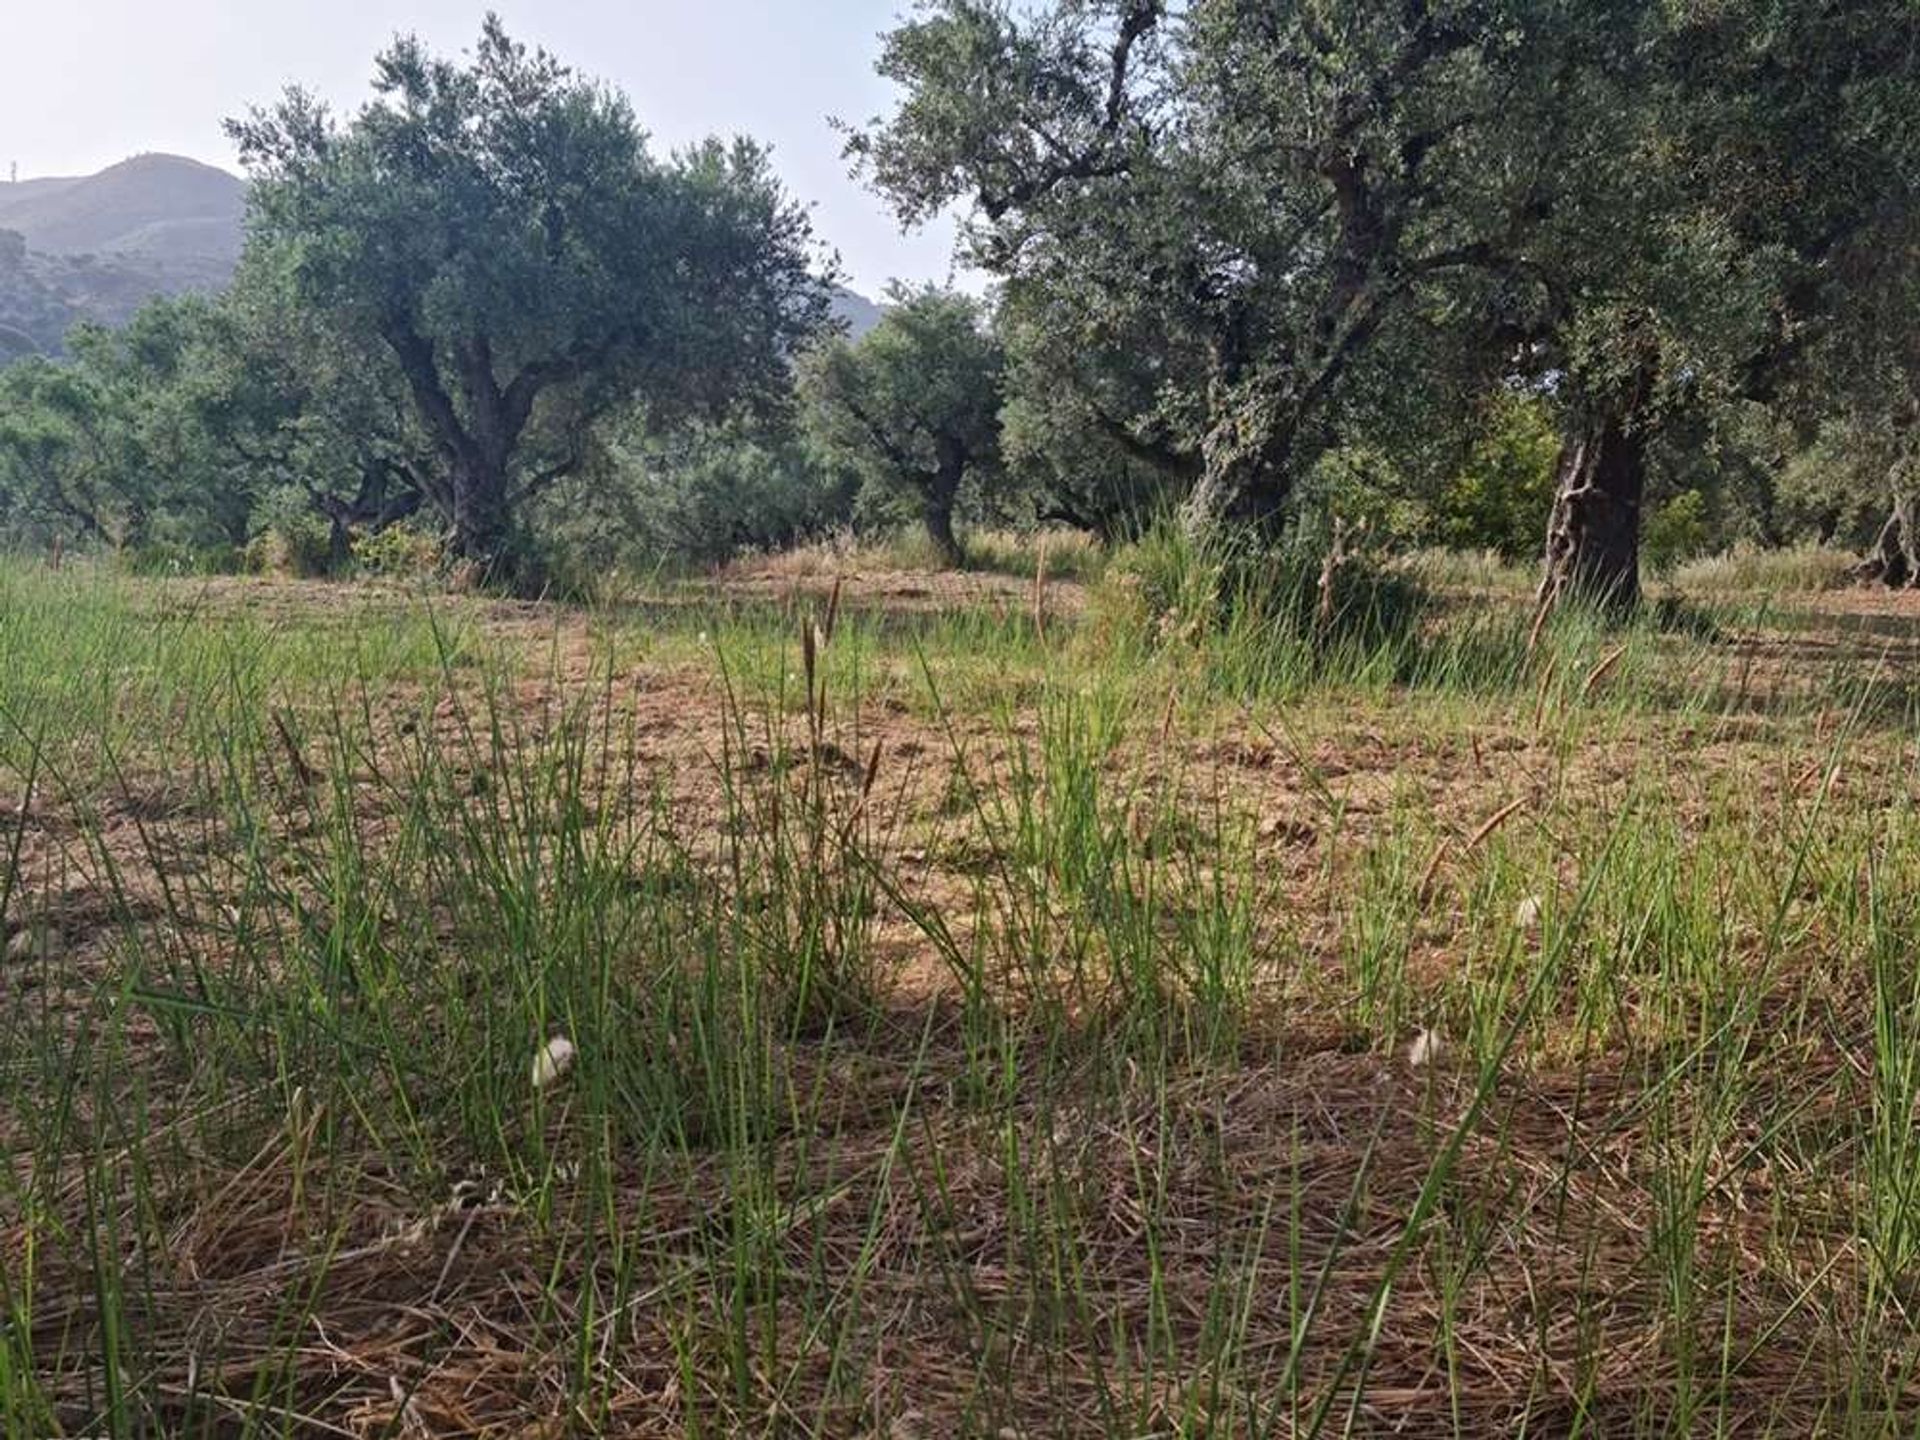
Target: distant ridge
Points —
{"points": [[98, 247], [855, 310], [161, 207], [20, 189]]}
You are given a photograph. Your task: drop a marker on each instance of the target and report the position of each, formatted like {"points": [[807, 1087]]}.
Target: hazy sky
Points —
{"points": [[89, 82]]}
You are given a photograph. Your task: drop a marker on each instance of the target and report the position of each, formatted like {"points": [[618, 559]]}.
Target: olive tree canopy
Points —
{"points": [[500, 228]]}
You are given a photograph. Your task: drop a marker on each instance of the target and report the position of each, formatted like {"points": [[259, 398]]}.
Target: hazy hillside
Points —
{"points": [[19, 190], [159, 207], [42, 297], [97, 247], [859, 313]]}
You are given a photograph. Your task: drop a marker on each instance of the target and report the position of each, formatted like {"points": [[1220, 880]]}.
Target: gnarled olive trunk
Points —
{"points": [[1894, 559], [938, 494], [482, 529], [939, 518], [479, 512], [339, 533], [477, 440], [1593, 534], [374, 505], [1242, 484], [1230, 498]]}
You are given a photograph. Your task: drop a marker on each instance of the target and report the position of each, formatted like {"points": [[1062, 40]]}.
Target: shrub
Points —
{"points": [[1175, 589], [289, 538], [699, 497], [1674, 532], [1500, 497], [1748, 568], [400, 550]]}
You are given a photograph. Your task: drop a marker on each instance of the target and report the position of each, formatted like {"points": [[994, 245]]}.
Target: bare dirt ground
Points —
{"points": [[940, 590], [453, 1319]]}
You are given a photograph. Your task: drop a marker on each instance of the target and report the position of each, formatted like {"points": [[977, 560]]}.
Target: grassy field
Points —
{"points": [[984, 1013]]}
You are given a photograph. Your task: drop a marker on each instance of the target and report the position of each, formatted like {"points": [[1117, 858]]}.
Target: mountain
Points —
{"points": [[98, 247], [20, 189], [160, 208], [858, 313]]}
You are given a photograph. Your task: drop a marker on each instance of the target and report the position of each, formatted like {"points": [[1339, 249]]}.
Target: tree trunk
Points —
{"points": [[938, 511], [1242, 484], [1894, 559], [938, 495], [478, 441], [940, 528], [483, 534], [339, 542], [1234, 496], [1593, 535]]}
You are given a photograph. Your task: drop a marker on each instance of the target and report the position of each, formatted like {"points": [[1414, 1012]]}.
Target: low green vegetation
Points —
{"points": [[1048, 1018]]}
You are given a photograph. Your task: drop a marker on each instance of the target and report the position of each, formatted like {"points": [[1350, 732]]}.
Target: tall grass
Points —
{"points": [[1756, 570], [979, 1027]]}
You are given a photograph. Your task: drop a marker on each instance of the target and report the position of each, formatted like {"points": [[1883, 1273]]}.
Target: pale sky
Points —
{"points": [[90, 82]]}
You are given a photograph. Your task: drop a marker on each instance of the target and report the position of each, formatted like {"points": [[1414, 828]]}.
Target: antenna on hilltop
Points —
{"points": [[13, 177]]}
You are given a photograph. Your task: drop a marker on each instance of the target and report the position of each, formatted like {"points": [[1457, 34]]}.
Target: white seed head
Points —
{"points": [[1526, 915], [1424, 1050], [553, 1061]]}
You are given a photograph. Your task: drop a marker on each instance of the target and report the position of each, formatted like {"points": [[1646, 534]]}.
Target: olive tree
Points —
{"points": [[500, 229], [1734, 168], [914, 403], [1247, 224], [1265, 191]]}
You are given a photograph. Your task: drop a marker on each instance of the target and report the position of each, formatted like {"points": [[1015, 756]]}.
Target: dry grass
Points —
{"points": [[1046, 1075], [1752, 570]]}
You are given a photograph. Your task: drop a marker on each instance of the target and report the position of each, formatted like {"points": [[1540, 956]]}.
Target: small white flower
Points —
{"points": [[1424, 1050], [553, 1061], [1526, 915]]}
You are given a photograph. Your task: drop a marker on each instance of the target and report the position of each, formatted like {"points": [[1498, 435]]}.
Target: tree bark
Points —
{"points": [[1894, 559], [1242, 484], [939, 495], [373, 506], [940, 529], [477, 440], [1228, 497], [482, 526], [339, 540], [1593, 535]]}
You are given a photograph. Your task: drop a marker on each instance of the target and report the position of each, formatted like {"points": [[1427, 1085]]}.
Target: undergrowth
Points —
{"points": [[1391, 1020]]}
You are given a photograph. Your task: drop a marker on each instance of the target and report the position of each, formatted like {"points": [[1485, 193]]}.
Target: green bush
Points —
{"points": [[1675, 532], [289, 539], [695, 498], [1500, 498], [1172, 588], [400, 550]]}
